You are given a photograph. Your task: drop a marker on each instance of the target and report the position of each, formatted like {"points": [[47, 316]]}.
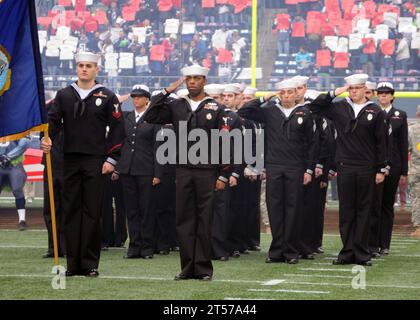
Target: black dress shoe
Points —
{"points": [[254, 248], [365, 263], [292, 261], [181, 276], [163, 252], [235, 254], [308, 257], [70, 273], [246, 251], [47, 255], [147, 257], [204, 278], [375, 255], [92, 273], [340, 262], [319, 250], [272, 260], [384, 252], [176, 248]]}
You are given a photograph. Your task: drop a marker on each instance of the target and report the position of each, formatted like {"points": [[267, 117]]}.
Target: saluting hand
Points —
{"points": [[46, 145], [107, 168], [341, 90], [307, 178], [115, 176], [175, 85]]}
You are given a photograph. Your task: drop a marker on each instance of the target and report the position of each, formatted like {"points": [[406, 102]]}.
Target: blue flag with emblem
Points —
{"points": [[22, 102]]}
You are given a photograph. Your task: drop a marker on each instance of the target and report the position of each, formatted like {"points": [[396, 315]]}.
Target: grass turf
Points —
{"points": [[25, 275]]}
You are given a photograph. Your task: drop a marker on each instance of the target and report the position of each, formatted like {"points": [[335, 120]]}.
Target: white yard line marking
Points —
{"points": [[324, 269], [317, 276], [349, 285], [232, 298], [29, 230], [273, 282], [22, 247], [289, 291], [406, 255], [128, 278]]}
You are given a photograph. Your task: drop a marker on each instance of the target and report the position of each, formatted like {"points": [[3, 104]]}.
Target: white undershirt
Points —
{"points": [[287, 111], [138, 115], [388, 109], [194, 104], [357, 108], [84, 93]]}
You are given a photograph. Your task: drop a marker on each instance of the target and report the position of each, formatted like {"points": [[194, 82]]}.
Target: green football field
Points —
{"points": [[25, 275]]}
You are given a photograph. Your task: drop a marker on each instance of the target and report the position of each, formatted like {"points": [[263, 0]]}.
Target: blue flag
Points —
{"points": [[22, 102]]}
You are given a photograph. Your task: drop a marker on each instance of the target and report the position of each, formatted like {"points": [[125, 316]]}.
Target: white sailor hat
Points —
{"points": [[214, 89], [286, 84], [250, 90], [301, 80], [312, 94], [194, 70], [233, 87], [385, 87], [358, 78], [87, 57], [140, 90], [241, 86], [371, 85], [182, 92]]}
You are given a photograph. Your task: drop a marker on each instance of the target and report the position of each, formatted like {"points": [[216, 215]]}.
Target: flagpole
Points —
{"points": [[52, 203], [254, 43]]}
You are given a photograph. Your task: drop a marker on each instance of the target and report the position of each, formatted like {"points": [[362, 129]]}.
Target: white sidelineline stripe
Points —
{"points": [[289, 291], [405, 255], [232, 298], [349, 285], [273, 282], [128, 278], [29, 230], [405, 240], [325, 269], [316, 276], [22, 247]]}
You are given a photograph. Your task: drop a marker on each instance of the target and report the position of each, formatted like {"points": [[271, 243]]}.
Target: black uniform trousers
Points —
{"points": [[140, 203], [219, 231], [82, 206], [319, 221], [382, 216], [285, 204], [194, 205], [356, 186], [313, 217], [58, 202], [114, 233], [252, 198], [165, 213], [237, 218]]}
